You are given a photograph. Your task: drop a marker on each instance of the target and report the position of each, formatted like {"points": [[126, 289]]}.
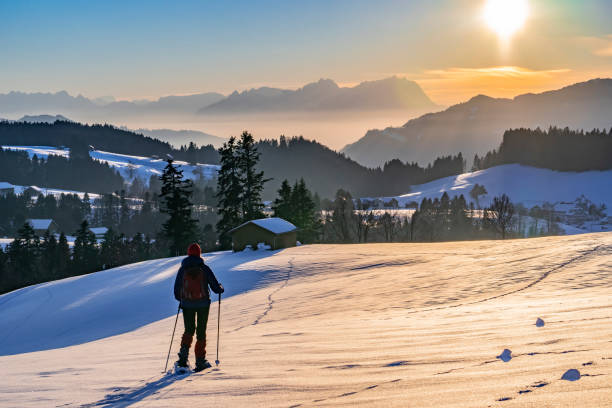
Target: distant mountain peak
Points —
{"points": [[326, 95], [477, 125]]}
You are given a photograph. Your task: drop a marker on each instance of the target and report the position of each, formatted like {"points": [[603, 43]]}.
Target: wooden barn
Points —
{"points": [[275, 232]]}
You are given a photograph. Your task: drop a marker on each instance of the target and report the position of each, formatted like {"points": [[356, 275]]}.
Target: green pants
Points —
{"points": [[195, 321]]}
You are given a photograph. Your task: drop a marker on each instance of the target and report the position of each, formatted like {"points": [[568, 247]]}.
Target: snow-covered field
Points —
{"points": [[56, 192], [330, 325], [523, 184], [130, 167]]}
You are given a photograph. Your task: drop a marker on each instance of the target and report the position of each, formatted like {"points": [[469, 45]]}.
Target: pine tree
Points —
{"points": [[109, 250], [282, 205], [124, 212], [63, 255], [86, 207], [48, 260], [85, 252], [252, 180], [229, 192], [180, 229], [304, 212], [23, 253]]}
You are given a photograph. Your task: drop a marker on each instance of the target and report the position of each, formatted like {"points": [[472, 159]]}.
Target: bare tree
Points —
{"points": [[476, 192], [389, 225], [501, 213]]}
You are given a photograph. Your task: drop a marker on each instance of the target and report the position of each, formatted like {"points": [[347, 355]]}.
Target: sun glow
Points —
{"points": [[505, 17]]}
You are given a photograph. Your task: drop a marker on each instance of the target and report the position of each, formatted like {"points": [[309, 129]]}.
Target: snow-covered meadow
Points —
{"points": [[130, 167], [523, 184], [330, 325]]}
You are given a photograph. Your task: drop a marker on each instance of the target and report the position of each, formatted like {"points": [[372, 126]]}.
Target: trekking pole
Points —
{"points": [[218, 328], [172, 339]]}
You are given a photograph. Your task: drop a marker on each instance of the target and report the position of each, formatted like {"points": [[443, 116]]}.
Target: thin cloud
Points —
{"points": [[454, 84], [599, 46]]}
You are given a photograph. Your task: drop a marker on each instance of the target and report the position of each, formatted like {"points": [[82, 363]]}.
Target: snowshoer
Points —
{"points": [[191, 290]]}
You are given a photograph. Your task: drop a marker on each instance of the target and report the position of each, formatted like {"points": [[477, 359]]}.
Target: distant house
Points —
{"points": [[99, 232], [275, 232], [41, 226], [6, 188]]}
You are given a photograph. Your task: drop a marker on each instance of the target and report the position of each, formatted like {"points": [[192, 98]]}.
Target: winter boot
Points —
{"points": [[201, 364], [183, 355]]}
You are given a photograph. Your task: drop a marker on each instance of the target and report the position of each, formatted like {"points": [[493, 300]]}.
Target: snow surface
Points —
{"points": [[383, 325], [523, 184], [57, 192], [273, 224], [130, 167], [103, 304], [40, 151]]}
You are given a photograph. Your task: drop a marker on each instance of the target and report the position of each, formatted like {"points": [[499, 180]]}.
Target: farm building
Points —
{"points": [[40, 226], [275, 232]]}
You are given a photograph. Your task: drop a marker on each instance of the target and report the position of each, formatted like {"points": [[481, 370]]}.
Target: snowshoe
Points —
{"points": [[182, 370], [201, 364]]}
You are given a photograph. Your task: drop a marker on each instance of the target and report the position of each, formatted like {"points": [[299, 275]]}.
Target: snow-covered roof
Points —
{"points": [[274, 224], [40, 224], [99, 230]]}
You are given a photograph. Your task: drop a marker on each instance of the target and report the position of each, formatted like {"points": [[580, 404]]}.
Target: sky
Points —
{"points": [[147, 49]]}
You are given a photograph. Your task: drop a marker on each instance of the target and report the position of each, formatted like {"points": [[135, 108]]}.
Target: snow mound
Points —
{"points": [[571, 375], [505, 356]]}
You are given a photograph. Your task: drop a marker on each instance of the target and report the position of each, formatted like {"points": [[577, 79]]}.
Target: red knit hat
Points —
{"points": [[194, 250]]}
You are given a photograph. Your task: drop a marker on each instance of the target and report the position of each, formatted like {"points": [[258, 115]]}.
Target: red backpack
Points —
{"points": [[195, 284]]}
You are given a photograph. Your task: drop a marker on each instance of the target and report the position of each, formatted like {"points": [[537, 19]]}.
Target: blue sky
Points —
{"points": [[138, 49]]}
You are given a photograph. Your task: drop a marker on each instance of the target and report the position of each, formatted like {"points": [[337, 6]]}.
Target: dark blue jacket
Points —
{"points": [[188, 262]]}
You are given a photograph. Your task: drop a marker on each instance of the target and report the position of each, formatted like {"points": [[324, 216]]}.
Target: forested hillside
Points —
{"points": [[325, 170], [102, 137], [555, 149], [79, 172]]}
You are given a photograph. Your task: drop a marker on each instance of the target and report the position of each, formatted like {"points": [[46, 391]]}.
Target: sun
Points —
{"points": [[505, 17]]}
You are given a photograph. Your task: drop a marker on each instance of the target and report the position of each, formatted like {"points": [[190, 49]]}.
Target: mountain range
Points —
{"points": [[104, 108], [324, 95], [477, 126]]}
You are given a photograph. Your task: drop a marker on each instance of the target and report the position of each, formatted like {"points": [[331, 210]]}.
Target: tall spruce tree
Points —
{"points": [[181, 228], [229, 192], [282, 205], [252, 180], [85, 252]]}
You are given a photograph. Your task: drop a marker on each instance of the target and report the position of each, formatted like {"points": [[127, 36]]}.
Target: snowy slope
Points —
{"points": [[40, 151], [143, 168], [103, 304], [48, 191], [383, 325], [523, 184], [130, 167]]}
